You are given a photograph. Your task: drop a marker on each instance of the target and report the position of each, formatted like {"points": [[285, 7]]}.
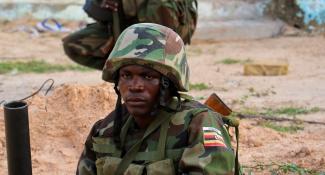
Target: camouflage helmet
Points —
{"points": [[150, 45]]}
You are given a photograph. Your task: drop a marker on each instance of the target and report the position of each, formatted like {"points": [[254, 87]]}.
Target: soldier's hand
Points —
{"points": [[110, 5]]}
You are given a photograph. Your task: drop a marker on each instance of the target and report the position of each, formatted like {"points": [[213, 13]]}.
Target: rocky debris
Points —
{"points": [[59, 124]]}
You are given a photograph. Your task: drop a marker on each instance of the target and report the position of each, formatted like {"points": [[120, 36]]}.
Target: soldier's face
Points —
{"points": [[139, 87]]}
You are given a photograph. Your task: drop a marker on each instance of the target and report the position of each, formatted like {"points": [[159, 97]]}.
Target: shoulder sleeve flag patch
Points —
{"points": [[213, 137]]}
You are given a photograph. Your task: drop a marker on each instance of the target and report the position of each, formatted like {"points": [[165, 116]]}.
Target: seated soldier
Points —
{"points": [[91, 46], [155, 130]]}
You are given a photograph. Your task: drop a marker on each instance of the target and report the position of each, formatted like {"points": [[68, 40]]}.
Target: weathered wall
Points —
{"points": [[222, 10], [40, 9], [43, 1], [235, 19], [218, 19], [313, 11], [304, 14]]}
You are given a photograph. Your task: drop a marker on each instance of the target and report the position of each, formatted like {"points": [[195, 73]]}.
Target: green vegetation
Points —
{"points": [[229, 61], [249, 111], [199, 86], [292, 128], [283, 168], [290, 111], [253, 93], [199, 98], [233, 61], [35, 66], [263, 93], [287, 111], [292, 168], [194, 51]]}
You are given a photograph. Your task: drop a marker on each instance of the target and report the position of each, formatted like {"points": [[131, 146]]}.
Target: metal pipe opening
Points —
{"points": [[17, 138]]}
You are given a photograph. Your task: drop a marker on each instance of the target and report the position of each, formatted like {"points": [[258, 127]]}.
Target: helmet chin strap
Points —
{"points": [[118, 118], [164, 91], [166, 94], [165, 82]]}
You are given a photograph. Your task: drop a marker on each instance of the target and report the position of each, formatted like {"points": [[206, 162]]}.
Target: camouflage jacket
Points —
{"points": [[180, 15], [197, 143]]}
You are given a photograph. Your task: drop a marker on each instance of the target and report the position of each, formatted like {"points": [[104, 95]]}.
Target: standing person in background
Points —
{"points": [[155, 131], [92, 45]]}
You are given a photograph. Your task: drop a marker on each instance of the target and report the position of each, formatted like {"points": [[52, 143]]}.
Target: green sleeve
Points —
{"points": [[86, 163], [153, 9], [209, 150], [86, 166]]}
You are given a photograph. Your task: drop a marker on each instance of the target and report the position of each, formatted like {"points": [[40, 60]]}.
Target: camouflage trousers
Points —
{"points": [[90, 46]]}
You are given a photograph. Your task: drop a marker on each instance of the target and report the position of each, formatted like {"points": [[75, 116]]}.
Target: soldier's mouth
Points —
{"points": [[135, 101]]}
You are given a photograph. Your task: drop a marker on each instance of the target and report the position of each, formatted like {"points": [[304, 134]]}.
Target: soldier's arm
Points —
{"points": [[209, 150], [86, 163], [110, 5]]}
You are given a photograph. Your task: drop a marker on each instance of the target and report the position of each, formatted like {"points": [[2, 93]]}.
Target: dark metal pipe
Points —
{"points": [[17, 138]]}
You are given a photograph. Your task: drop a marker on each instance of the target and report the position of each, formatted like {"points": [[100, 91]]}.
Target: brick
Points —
{"points": [[266, 68]]}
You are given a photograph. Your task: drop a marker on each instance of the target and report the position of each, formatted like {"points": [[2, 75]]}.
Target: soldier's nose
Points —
{"points": [[136, 84]]}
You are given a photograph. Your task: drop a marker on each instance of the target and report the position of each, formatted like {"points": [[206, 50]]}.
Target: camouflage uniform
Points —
{"points": [[191, 139], [91, 46]]}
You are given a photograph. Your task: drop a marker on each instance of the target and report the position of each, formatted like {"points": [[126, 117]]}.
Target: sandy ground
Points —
{"points": [[60, 121]]}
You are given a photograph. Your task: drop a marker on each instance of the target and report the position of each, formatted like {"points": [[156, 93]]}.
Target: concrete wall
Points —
{"points": [[41, 9], [218, 19], [305, 14], [313, 11], [44, 1], [235, 19], [221, 10]]}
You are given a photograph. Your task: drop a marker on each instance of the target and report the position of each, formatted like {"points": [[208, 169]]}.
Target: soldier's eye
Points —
{"points": [[148, 77], [125, 76]]}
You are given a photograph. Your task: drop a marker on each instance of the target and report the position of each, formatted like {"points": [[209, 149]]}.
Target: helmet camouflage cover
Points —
{"points": [[150, 45]]}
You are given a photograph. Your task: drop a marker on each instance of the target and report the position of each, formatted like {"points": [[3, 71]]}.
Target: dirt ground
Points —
{"points": [[60, 121]]}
